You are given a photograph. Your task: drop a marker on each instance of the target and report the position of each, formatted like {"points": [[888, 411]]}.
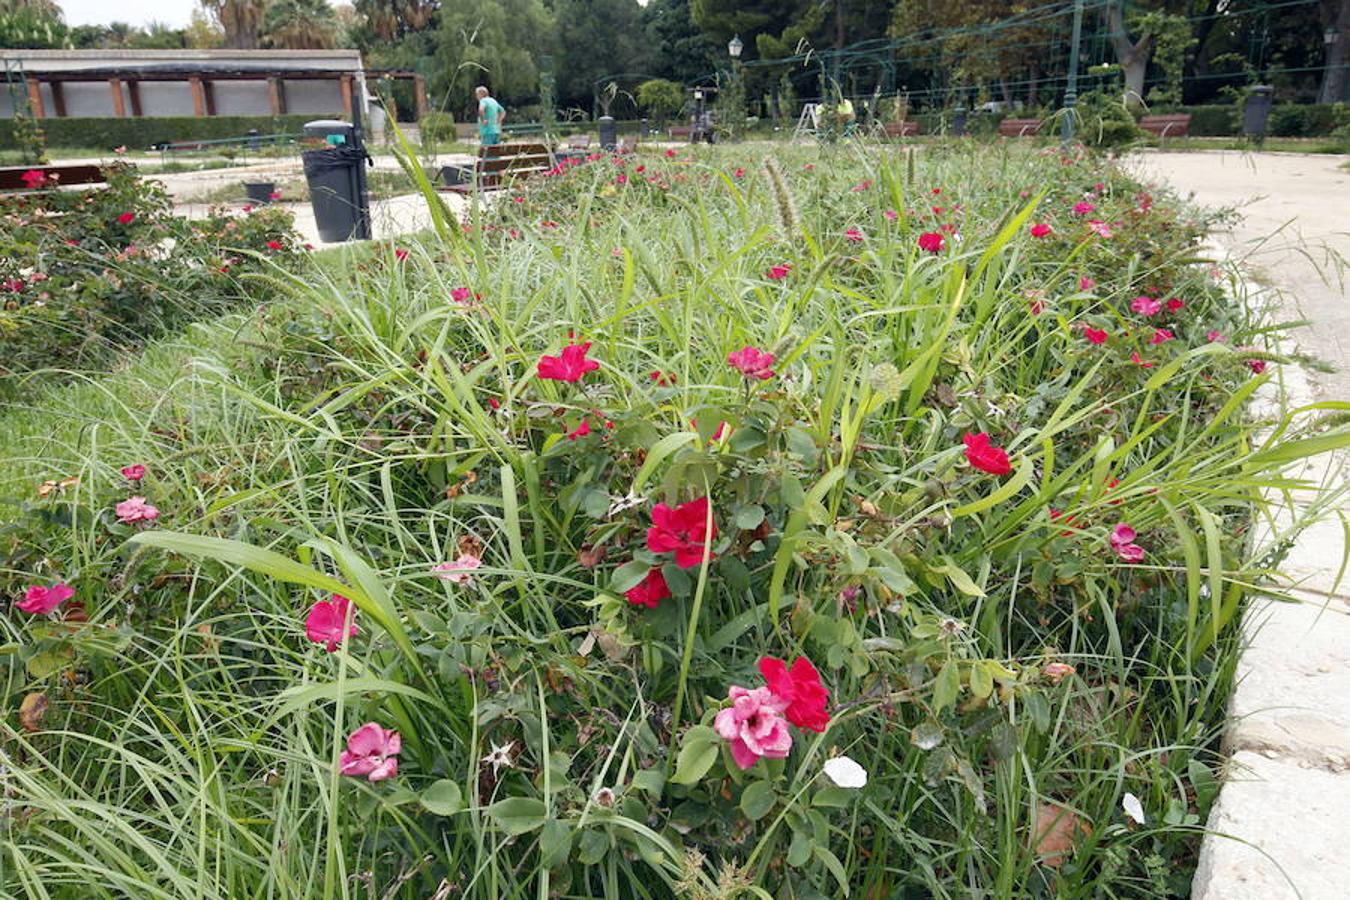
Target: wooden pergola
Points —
{"points": [[199, 80]]}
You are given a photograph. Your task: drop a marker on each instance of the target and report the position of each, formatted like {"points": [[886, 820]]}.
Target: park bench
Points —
{"points": [[530, 129], [501, 163], [681, 132], [11, 177], [228, 145], [579, 142], [1176, 125], [1019, 127], [901, 129]]}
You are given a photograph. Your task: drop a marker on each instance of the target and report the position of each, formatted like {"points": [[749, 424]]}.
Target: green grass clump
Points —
{"points": [[997, 668]]}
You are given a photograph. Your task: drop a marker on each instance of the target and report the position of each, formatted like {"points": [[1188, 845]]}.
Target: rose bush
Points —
{"points": [[691, 535], [87, 273]]}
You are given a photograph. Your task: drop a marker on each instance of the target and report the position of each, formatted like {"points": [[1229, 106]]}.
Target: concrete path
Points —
{"points": [[1281, 826]]}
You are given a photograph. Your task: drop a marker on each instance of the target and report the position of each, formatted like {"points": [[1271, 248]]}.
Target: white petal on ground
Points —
{"points": [[1133, 808], [845, 772]]}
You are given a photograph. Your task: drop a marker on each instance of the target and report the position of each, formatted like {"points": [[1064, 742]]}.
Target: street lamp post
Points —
{"points": [[1071, 85], [1330, 81], [734, 48]]}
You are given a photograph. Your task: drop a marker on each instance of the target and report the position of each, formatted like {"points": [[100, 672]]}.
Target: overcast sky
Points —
{"points": [[175, 13]]}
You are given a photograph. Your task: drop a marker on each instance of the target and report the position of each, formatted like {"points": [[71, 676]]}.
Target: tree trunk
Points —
{"points": [[1033, 77], [1333, 78], [1132, 56]]}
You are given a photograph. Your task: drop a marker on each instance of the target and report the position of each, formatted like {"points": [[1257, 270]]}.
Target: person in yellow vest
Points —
{"points": [[845, 116]]}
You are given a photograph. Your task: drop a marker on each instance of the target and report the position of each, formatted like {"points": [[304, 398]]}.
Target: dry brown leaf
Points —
{"points": [[31, 711], [1055, 830]]}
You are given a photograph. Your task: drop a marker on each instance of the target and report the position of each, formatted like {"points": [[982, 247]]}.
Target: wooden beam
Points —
{"points": [[119, 102], [276, 92], [420, 95], [134, 92], [209, 91], [58, 99], [198, 96], [35, 97], [346, 89]]}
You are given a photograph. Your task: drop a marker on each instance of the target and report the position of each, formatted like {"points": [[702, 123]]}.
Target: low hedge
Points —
{"points": [[139, 133], [1286, 119]]}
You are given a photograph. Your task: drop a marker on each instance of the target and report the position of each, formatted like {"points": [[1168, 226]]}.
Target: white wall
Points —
{"points": [[241, 98], [165, 98]]}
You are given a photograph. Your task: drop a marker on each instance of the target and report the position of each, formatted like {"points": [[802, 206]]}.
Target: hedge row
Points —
{"points": [[141, 133]]}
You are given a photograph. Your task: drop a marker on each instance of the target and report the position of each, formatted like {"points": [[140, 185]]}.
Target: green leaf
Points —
{"points": [[959, 579], [657, 454], [1006, 490], [298, 697], [697, 755], [835, 867], [749, 517], [518, 815], [592, 847], [946, 687], [757, 799], [443, 798], [555, 843], [628, 575], [799, 851], [981, 682]]}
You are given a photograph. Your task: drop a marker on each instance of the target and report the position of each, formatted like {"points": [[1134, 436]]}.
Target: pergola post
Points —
{"points": [[276, 93], [347, 95], [420, 96], [198, 96], [35, 97], [58, 99], [134, 92], [119, 102]]}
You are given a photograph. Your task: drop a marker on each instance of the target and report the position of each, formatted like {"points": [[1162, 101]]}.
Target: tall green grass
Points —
{"points": [[342, 438]]}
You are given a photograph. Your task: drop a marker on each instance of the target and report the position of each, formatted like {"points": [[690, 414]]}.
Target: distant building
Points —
{"points": [[120, 83]]}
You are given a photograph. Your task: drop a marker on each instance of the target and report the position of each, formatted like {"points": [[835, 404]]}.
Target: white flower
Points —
{"points": [[845, 772], [1133, 808]]}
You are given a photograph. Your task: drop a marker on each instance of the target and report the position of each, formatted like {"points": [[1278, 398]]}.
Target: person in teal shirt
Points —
{"points": [[490, 118]]}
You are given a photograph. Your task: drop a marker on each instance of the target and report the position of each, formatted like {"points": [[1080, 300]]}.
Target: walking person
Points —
{"points": [[490, 118]]}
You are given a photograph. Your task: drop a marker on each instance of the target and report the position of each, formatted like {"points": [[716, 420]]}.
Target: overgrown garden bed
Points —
{"points": [[800, 523]]}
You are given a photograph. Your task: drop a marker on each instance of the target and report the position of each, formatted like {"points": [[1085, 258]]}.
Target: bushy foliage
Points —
{"points": [[966, 432], [143, 133], [87, 273], [438, 127], [1104, 121], [661, 99]]}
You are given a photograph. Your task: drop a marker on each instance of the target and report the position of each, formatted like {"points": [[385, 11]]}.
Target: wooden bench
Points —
{"points": [[501, 163], [901, 129], [11, 177], [1175, 125], [579, 142], [681, 132], [1019, 127]]}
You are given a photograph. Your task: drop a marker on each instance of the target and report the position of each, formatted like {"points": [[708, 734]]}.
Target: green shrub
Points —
{"points": [[438, 127], [142, 133], [1104, 121], [87, 274], [661, 99]]}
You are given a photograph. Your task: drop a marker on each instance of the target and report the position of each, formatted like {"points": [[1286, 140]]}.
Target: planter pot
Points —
{"points": [[260, 191]]}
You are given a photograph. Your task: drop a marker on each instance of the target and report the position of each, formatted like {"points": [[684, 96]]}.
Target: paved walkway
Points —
{"points": [[1281, 826]]}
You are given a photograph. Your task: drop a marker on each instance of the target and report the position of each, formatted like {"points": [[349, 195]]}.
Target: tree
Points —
{"points": [[1337, 16], [660, 98], [32, 25], [684, 53], [492, 42], [240, 19], [595, 38], [300, 25], [389, 20]]}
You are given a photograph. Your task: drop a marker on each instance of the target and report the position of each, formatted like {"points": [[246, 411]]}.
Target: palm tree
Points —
{"points": [[241, 20], [300, 25], [388, 19]]}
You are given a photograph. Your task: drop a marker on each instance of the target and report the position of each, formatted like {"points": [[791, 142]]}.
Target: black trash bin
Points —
{"points": [[331, 176]]}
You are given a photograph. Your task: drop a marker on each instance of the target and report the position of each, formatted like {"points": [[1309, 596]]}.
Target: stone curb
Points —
{"points": [[1279, 826]]}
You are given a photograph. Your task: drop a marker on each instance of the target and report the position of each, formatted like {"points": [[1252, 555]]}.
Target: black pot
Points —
{"points": [[260, 191]]}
